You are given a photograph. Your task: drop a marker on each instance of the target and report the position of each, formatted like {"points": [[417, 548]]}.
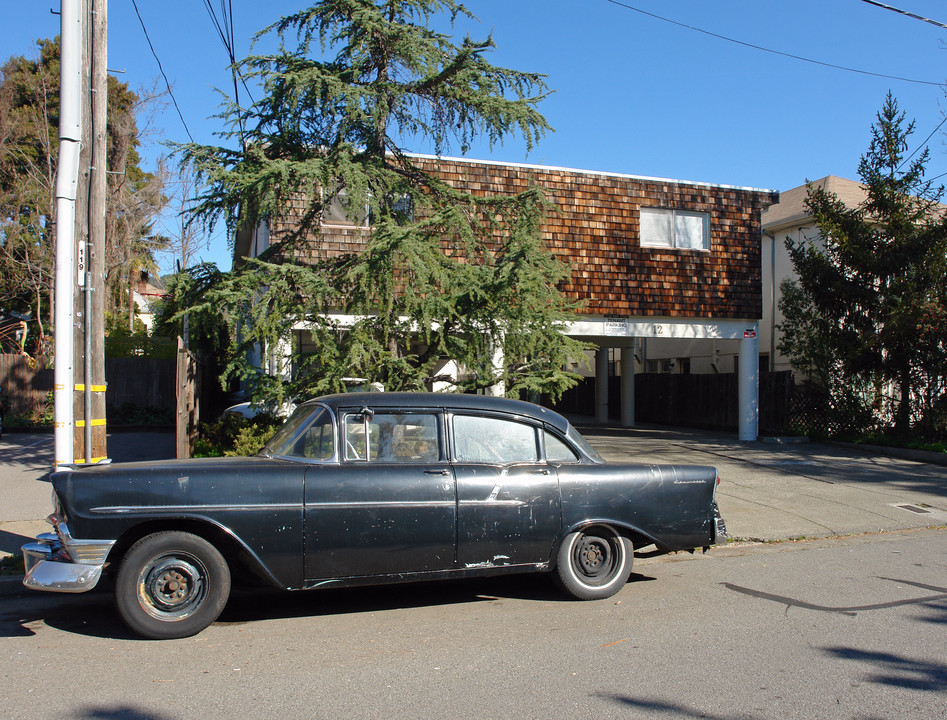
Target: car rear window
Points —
{"points": [[493, 440]]}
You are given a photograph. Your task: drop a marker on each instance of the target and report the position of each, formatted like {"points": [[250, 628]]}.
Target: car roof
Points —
{"points": [[454, 401]]}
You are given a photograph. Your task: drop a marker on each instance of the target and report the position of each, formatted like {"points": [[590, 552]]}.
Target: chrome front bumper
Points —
{"points": [[57, 562]]}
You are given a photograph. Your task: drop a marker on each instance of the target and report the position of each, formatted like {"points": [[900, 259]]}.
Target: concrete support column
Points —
{"points": [[601, 385], [498, 390], [628, 386], [749, 382]]}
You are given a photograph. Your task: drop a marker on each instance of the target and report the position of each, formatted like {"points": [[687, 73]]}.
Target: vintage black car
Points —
{"points": [[365, 488]]}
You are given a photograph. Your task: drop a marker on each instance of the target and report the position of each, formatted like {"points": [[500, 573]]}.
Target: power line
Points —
{"points": [[158, 60], [224, 28], [924, 144], [905, 12], [768, 50]]}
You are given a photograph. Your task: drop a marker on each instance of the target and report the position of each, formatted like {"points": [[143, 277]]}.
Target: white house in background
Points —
{"points": [[789, 219], [146, 291]]}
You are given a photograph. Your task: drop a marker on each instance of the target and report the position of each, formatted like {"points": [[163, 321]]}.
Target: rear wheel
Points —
{"points": [[171, 585], [594, 563]]}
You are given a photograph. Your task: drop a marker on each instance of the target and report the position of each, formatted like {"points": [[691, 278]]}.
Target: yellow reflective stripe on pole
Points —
{"points": [[94, 423]]}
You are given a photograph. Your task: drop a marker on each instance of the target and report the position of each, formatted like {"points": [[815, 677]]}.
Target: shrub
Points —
{"points": [[235, 435]]}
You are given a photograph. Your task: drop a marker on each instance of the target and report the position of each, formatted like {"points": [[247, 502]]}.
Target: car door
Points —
{"points": [[388, 505], [508, 505]]}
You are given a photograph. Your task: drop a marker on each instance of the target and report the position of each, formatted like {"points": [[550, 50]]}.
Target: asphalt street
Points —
{"points": [[850, 628]]}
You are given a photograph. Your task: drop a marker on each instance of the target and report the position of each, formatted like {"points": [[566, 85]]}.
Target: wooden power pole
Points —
{"points": [[89, 347]]}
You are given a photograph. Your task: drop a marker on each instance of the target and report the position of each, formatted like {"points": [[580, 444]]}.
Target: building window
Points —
{"points": [[338, 210], [679, 229]]}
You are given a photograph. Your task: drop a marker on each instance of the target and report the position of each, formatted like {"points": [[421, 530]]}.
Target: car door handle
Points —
{"points": [[445, 473], [541, 472]]}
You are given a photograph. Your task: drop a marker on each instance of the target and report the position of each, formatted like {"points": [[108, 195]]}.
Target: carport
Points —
{"points": [[616, 332]]}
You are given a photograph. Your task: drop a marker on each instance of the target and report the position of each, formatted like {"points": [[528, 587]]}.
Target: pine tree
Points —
{"points": [[441, 273], [878, 278]]}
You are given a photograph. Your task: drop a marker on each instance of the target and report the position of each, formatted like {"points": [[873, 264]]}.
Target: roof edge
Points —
{"points": [[531, 166]]}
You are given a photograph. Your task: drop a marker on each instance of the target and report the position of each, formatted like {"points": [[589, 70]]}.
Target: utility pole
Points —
{"points": [[94, 429], [79, 382], [88, 304]]}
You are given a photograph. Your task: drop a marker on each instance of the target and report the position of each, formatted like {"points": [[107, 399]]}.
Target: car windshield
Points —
{"points": [[294, 432]]}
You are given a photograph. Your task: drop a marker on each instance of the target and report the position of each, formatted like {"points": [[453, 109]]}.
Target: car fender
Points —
{"points": [[228, 543]]}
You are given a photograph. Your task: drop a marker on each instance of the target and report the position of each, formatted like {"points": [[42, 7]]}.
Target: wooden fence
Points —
{"points": [[143, 383], [701, 401]]}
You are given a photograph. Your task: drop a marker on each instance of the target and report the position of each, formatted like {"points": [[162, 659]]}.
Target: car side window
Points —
{"points": [[391, 437], [493, 440], [557, 450]]}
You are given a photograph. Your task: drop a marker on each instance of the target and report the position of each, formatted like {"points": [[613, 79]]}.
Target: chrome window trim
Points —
{"points": [[334, 458]]}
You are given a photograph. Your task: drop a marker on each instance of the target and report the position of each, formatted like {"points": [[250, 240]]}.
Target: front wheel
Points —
{"points": [[171, 585], [594, 563]]}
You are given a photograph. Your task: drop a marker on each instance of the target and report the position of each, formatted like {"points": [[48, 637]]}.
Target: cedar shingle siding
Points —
{"points": [[596, 232]]}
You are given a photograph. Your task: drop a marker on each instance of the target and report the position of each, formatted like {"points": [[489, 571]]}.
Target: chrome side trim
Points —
{"points": [[491, 503], [380, 504], [124, 509]]}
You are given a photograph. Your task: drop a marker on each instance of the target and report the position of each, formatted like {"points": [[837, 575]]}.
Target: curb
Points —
{"points": [[921, 456]]}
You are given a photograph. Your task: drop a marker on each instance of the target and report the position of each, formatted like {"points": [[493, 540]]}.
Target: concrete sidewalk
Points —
{"points": [[769, 491], [773, 491]]}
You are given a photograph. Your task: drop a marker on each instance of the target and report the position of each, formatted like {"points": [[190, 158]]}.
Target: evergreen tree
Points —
{"points": [[878, 278], [29, 153], [440, 273]]}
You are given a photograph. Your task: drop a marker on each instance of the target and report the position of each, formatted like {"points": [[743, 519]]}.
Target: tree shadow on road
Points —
{"points": [[118, 712], [897, 670]]}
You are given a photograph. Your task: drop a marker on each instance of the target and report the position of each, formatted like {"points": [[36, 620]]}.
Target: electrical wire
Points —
{"points": [[224, 27], [923, 144], [769, 50], [905, 12], [166, 82]]}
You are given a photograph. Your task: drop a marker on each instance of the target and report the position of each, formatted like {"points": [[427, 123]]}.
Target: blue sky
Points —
{"points": [[634, 94]]}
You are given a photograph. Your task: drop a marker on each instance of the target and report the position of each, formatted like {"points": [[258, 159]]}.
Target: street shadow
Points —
{"points": [[11, 543], [93, 614], [250, 605], [895, 670], [27, 451], [118, 712], [35, 451], [939, 617], [659, 708]]}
